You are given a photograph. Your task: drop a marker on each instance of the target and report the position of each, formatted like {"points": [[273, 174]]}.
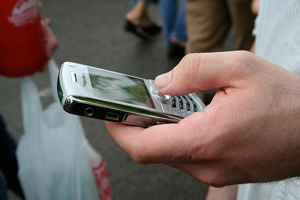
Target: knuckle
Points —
{"points": [[243, 64], [244, 56], [244, 59], [239, 58], [190, 64], [137, 157], [189, 70], [140, 155]]}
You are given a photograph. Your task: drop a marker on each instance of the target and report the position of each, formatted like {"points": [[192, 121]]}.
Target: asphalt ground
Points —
{"points": [[91, 32]]}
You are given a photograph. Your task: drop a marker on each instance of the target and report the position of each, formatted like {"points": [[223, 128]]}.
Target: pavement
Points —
{"points": [[91, 32]]}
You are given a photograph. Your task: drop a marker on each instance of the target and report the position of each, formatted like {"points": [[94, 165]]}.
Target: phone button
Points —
{"points": [[138, 120], [176, 111], [161, 96], [167, 109]]}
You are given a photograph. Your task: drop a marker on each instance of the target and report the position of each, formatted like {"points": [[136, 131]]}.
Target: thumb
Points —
{"points": [[203, 71]]}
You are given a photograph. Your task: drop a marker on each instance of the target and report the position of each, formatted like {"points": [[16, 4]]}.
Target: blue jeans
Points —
{"points": [[173, 18]]}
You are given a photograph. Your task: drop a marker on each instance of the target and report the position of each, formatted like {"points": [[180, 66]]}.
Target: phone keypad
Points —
{"points": [[175, 106], [183, 105]]}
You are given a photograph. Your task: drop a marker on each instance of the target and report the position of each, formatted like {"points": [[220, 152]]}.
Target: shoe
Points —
{"points": [[153, 29], [175, 50], [142, 32]]}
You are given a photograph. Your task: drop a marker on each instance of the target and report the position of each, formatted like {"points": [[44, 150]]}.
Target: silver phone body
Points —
{"points": [[102, 94]]}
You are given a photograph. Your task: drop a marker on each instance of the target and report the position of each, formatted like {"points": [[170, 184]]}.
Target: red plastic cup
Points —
{"points": [[22, 49]]}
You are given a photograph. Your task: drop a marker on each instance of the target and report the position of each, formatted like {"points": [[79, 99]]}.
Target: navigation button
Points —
{"points": [[161, 96]]}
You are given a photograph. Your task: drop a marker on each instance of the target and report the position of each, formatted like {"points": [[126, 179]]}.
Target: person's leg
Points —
{"points": [[173, 27], [138, 20], [178, 34], [8, 159], [138, 15], [208, 23], [3, 187], [179, 30], [168, 12], [243, 20]]}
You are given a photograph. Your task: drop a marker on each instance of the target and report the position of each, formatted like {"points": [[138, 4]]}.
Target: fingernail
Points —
{"points": [[163, 80]]}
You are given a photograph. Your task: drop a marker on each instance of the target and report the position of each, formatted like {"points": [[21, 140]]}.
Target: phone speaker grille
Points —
{"points": [[73, 77]]}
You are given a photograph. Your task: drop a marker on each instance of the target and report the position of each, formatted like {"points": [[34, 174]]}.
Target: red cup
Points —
{"points": [[22, 49]]}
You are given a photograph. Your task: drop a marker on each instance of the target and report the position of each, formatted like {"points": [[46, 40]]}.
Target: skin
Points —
{"points": [[50, 40], [255, 6], [250, 132], [224, 193]]}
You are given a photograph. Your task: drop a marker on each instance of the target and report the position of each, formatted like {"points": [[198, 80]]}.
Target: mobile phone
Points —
{"points": [[102, 94]]}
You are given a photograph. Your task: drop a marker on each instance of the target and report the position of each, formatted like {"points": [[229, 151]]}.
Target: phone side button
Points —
{"points": [[138, 120]]}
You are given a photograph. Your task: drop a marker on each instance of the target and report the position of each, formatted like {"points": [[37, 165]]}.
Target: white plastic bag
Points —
{"points": [[52, 156]]}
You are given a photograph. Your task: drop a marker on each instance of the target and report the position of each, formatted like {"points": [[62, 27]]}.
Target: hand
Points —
{"points": [[249, 133], [50, 40]]}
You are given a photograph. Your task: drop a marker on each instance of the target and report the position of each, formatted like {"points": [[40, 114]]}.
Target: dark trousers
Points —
{"points": [[8, 161]]}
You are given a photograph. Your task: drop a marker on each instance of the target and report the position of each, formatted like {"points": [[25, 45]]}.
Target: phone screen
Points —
{"points": [[119, 87]]}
